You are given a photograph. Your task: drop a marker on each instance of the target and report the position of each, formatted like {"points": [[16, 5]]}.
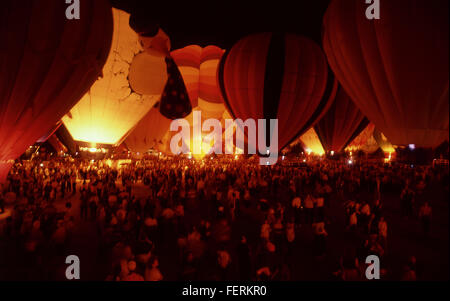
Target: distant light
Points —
{"points": [[282, 157], [351, 153], [268, 152], [42, 164], [412, 146], [304, 160], [332, 153], [236, 157], [308, 150], [92, 161], [267, 163], [93, 150], [138, 153], [160, 153], [76, 153], [350, 161]]}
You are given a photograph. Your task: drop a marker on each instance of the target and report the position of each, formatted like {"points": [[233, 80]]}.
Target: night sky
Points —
{"points": [[222, 23]]}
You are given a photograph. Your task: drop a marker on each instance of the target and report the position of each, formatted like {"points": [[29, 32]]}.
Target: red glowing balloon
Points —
{"points": [[277, 76], [48, 62], [395, 69]]}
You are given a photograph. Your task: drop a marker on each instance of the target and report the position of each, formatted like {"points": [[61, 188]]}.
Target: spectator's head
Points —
{"points": [[243, 239], [131, 265], [154, 262], [189, 257], [270, 247]]}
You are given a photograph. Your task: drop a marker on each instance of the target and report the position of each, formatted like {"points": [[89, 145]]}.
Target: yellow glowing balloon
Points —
{"points": [[148, 133], [111, 108], [312, 142]]}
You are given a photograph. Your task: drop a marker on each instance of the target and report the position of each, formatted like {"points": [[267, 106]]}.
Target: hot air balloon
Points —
{"points": [[341, 124], [275, 76], [48, 62], [149, 132], [198, 68], [114, 105], [395, 69]]}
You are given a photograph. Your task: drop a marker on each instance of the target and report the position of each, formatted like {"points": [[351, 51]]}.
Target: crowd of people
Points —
{"points": [[218, 218]]}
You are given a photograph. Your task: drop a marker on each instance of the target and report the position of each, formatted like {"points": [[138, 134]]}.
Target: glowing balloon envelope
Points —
{"points": [[395, 69], [114, 105], [47, 63], [277, 76], [148, 133]]}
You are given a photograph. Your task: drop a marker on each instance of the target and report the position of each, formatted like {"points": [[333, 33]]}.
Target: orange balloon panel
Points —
{"points": [[111, 107], [198, 67]]}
